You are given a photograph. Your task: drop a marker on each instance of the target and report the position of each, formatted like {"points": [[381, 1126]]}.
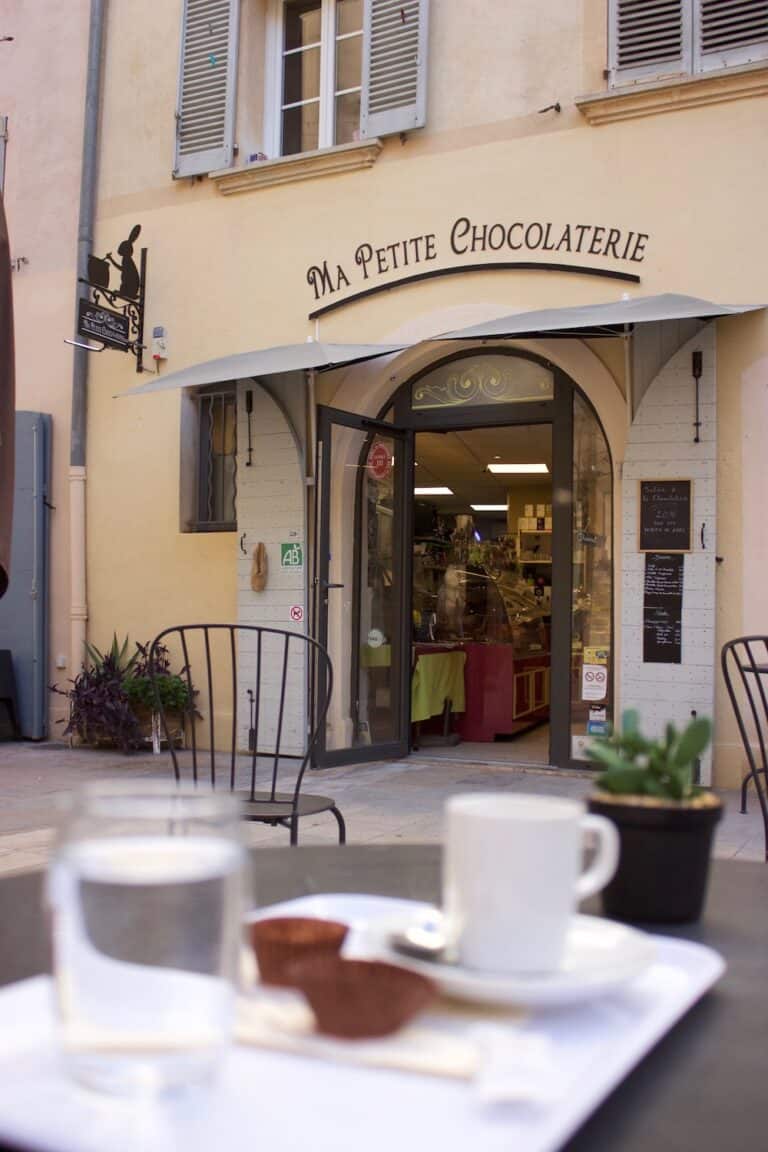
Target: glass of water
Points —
{"points": [[147, 891]]}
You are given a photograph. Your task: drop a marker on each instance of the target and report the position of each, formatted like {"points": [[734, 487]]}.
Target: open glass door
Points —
{"points": [[361, 585]]}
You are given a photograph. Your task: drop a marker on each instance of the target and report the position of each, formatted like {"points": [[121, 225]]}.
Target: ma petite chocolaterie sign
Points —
{"points": [[530, 243]]}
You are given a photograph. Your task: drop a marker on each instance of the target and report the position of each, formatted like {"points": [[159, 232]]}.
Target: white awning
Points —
{"points": [[266, 362], [600, 319], [586, 319]]}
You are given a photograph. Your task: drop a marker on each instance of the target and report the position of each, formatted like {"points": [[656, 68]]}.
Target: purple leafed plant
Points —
{"points": [[100, 711]]}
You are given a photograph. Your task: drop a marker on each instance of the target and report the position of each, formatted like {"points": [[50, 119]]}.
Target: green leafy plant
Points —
{"points": [[107, 697], [633, 765], [117, 656], [170, 689]]}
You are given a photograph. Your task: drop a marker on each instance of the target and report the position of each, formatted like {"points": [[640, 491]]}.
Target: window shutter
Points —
{"points": [[205, 113], [648, 38], [730, 32], [394, 95]]}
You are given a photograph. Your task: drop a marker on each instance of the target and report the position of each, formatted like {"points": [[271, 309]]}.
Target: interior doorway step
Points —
{"points": [[531, 749]]}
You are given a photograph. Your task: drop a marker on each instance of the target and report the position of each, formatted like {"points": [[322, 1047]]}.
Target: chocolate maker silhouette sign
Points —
{"points": [[121, 325], [480, 245]]}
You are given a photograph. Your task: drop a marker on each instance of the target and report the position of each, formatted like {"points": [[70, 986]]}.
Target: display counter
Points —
{"points": [[490, 689], [505, 693]]}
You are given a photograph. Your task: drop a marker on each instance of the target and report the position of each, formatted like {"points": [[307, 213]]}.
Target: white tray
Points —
{"points": [[283, 1102]]}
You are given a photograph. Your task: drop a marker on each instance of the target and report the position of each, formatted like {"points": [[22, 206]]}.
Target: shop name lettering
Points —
{"points": [[467, 238]]}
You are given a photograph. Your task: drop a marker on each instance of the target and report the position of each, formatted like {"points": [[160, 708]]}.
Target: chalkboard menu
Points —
{"points": [[665, 515], [663, 608]]}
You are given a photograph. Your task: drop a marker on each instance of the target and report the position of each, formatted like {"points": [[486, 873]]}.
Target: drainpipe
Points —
{"points": [[78, 613]]}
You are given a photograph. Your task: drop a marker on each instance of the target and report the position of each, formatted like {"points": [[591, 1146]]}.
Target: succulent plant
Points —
{"points": [[634, 765]]}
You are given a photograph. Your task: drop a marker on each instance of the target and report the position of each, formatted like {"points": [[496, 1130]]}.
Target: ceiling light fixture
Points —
{"points": [[488, 507], [520, 469], [438, 491]]}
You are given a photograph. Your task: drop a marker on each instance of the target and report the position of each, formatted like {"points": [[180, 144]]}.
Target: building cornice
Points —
{"points": [[673, 95], [291, 169]]}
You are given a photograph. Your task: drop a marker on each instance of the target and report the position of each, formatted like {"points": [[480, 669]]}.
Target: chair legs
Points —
{"points": [[341, 824], [292, 824], [744, 785]]}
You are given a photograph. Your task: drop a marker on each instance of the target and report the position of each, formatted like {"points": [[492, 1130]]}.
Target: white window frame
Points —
{"points": [[273, 73]]}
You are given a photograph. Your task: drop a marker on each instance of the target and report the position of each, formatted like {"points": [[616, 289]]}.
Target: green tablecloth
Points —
{"points": [[437, 677]]}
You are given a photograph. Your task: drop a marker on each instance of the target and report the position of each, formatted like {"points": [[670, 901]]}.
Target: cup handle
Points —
{"points": [[606, 860]]}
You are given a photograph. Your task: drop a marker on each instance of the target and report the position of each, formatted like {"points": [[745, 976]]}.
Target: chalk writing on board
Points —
{"points": [[663, 608], [665, 515]]}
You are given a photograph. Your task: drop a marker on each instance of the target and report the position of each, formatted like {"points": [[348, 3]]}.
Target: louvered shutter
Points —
{"points": [[648, 39], [394, 95], [205, 113], [729, 32]]}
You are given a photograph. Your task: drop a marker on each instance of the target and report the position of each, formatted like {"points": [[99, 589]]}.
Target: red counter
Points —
{"points": [[505, 694]]}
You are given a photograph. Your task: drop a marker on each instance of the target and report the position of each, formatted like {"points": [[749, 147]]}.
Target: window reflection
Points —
{"points": [[592, 595]]}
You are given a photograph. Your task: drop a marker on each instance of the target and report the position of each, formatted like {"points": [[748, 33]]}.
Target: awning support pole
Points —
{"points": [[628, 382]]}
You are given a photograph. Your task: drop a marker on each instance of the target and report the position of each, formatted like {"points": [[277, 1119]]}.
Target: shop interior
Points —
{"points": [[481, 597]]}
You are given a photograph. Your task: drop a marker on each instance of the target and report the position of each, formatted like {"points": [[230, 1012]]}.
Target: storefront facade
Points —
{"points": [[627, 187]]}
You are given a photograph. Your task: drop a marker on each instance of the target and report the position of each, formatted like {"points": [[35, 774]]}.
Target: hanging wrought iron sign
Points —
{"points": [[114, 314]]}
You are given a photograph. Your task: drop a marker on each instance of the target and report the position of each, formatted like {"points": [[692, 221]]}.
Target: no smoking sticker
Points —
{"points": [[594, 681], [297, 613]]}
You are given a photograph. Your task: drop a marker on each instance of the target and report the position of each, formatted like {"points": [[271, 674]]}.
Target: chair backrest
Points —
{"points": [[247, 719], [745, 669]]}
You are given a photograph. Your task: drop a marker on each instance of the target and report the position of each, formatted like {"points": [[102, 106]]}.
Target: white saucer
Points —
{"points": [[601, 955]]}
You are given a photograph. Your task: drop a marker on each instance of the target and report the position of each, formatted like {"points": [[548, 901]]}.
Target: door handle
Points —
{"points": [[327, 585]]}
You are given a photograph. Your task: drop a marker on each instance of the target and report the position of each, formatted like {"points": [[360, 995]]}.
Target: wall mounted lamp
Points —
{"points": [[249, 411], [696, 367]]}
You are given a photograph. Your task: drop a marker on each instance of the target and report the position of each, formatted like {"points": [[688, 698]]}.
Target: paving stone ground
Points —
{"points": [[383, 802]]}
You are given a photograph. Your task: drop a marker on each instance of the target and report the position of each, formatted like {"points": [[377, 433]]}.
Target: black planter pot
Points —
{"points": [[664, 860]]}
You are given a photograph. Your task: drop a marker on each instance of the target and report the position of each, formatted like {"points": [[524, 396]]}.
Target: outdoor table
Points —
{"points": [[702, 1088]]}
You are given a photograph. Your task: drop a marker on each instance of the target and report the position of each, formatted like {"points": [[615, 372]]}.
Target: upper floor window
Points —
{"points": [[322, 53], [653, 39], [335, 71]]}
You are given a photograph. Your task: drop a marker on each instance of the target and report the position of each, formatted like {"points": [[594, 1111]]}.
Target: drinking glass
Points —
{"points": [[146, 888]]}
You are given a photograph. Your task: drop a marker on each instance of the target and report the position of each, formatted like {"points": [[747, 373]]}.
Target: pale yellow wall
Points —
{"points": [[42, 81], [145, 575], [228, 273], [742, 588]]}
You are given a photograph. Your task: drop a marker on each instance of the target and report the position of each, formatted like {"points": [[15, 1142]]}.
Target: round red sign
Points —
{"points": [[379, 462]]}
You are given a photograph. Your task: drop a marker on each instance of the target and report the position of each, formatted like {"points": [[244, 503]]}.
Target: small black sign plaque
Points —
{"points": [[666, 508], [663, 608], [98, 323]]}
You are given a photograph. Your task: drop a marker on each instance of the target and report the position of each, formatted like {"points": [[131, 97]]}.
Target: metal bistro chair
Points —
{"points": [[250, 682], [745, 666]]}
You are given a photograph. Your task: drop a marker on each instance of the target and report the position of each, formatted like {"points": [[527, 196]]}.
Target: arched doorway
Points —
{"points": [[520, 584]]}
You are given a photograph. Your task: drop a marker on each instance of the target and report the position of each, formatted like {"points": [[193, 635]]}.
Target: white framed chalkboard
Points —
{"points": [[666, 515]]}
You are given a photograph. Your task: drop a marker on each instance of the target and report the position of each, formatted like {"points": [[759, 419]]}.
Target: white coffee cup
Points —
{"points": [[512, 877]]}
